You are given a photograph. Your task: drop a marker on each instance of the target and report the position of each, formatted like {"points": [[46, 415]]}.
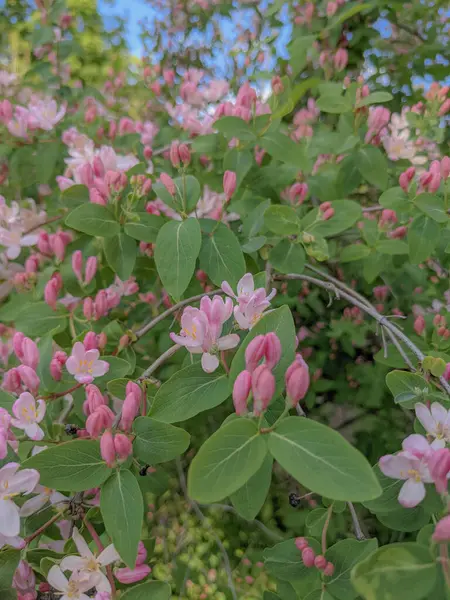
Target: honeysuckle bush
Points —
{"points": [[224, 305]]}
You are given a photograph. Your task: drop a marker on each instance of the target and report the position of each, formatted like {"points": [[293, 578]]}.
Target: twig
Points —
{"points": [[369, 209], [61, 394], [401, 351], [202, 517], [43, 527], [47, 222], [356, 526], [143, 330], [159, 361], [268, 276], [325, 529]]}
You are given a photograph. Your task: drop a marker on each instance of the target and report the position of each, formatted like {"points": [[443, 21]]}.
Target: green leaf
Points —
{"points": [[401, 571], [284, 562], [315, 521], [388, 501], [298, 49], [282, 148], [322, 460], [158, 442], [282, 220], [6, 400], [188, 393], [38, 319], [118, 367], [334, 104], [73, 466], [373, 166], [346, 214], [240, 161], [221, 256], [345, 555], [279, 321], [287, 257], [146, 229], [122, 510], [320, 594], [349, 176], [376, 98], [354, 252], [249, 499], [120, 251], [394, 198], [346, 14], [93, 219], [392, 247], [189, 191], [423, 237], [226, 461], [433, 207], [151, 590], [9, 561], [234, 127], [75, 195], [405, 519], [46, 161], [177, 247], [407, 388]]}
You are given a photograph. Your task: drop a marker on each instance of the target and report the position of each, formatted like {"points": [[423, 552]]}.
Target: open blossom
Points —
{"points": [[73, 588], [28, 414], [12, 483], [46, 113], [85, 365], [89, 566], [251, 303], [202, 328], [13, 239], [436, 421], [44, 495], [410, 465]]}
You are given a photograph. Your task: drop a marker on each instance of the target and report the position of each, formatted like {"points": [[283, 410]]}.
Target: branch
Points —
{"points": [[43, 527], [143, 330], [202, 518], [159, 361], [356, 526], [47, 222]]}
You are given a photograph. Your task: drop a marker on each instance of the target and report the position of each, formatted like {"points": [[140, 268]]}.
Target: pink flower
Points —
{"points": [[439, 466], [436, 422], [14, 240], [411, 466], [251, 303], [12, 483], [297, 380], [127, 575], [46, 114], [241, 391], [442, 530], [85, 365], [229, 183], [202, 328], [28, 415]]}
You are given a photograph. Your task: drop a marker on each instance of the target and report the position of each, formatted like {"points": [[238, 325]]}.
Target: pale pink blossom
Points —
{"points": [[44, 495], [85, 365], [46, 113], [436, 421], [12, 483], [28, 414], [73, 588]]}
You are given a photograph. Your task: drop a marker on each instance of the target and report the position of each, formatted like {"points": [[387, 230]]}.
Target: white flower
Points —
{"points": [[13, 240], [13, 483], [88, 565], [436, 422], [72, 589], [28, 415], [44, 495], [46, 113]]}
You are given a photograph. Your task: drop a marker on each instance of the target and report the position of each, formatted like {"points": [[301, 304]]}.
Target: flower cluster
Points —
{"points": [[311, 559]]}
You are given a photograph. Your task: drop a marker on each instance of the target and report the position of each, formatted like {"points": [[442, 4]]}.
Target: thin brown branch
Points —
{"points": [[159, 361], [47, 222], [325, 529], [43, 527], [356, 525]]}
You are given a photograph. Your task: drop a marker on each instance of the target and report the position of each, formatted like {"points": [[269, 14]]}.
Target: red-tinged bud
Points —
{"points": [[107, 448], [297, 380], [298, 193], [320, 562], [185, 154], [91, 269], [32, 264], [329, 570], [94, 397], [277, 85], [439, 466], [301, 543], [272, 350], [124, 341], [255, 352], [130, 409], [77, 265], [241, 391], [96, 198], [51, 293], [398, 233], [147, 187], [30, 356], [324, 206], [100, 304], [168, 183], [142, 554], [445, 108], [88, 308], [123, 446], [17, 343], [340, 59], [148, 152], [419, 325], [263, 388], [447, 372], [56, 369], [102, 340], [406, 177], [445, 166], [98, 167], [442, 530], [308, 557], [134, 389], [29, 377], [328, 214], [90, 341], [127, 576], [229, 183], [43, 243], [174, 154], [11, 381]]}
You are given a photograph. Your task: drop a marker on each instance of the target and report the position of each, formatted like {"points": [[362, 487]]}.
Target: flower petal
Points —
{"points": [[209, 362], [72, 563], [412, 493], [395, 466], [57, 579], [99, 368], [9, 518], [81, 544], [33, 505], [23, 481], [424, 415], [108, 556], [227, 342], [417, 445]]}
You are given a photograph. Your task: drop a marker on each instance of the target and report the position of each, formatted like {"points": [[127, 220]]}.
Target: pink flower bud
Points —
{"points": [[124, 341], [11, 381], [272, 350], [445, 166], [90, 341], [329, 570], [51, 293], [91, 269], [301, 543], [88, 308], [142, 554], [255, 352], [419, 325], [94, 398], [130, 409], [298, 193], [331, 8], [127, 575], [134, 389], [447, 372], [277, 85], [107, 448], [263, 387], [102, 340], [324, 206], [308, 557], [241, 391], [98, 167], [406, 177], [297, 380], [398, 233], [229, 183], [32, 264], [340, 59], [29, 377], [328, 214], [174, 154], [168, 183], [43, 243], [77, 264], [96, 198], [445, 108], [148, 152], [30, 351], [147, 187], [439, 466], [100, 304], [17, 343], [123, 446], [56, 369], [320, 562], [185, 154], [86, 174], [442, 530]]}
